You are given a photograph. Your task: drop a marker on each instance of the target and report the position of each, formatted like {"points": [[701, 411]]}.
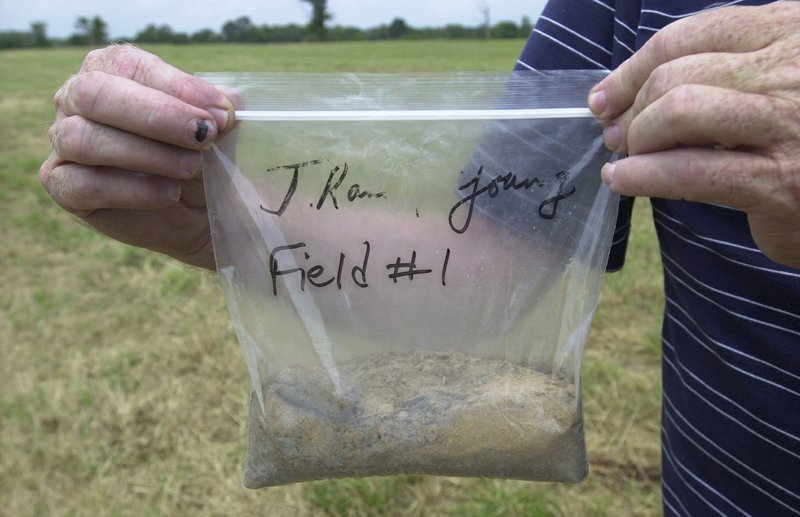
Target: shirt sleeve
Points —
{"points": [[576, 34]]}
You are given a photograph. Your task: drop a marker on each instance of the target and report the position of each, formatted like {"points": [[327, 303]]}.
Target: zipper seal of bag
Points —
{"points": [[389, 115]]}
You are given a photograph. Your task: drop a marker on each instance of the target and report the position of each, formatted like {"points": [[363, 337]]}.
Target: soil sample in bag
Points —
{"points": [[416, 413]]}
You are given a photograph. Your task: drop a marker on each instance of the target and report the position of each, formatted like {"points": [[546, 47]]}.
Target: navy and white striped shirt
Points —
{"points": [[731, 332]]}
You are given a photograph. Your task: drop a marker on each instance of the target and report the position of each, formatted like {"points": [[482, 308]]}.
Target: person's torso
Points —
{"points": [[731, 333]]}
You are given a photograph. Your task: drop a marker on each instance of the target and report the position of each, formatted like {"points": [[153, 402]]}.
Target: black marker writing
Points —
{"points": [[549, 213], [501, 183], [292, 185], [409, 267], [313, 274], [444, 266], [309, 273], [353, 193], [330, 190], [504, 183]]}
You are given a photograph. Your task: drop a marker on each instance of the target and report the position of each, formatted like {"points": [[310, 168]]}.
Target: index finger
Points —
{"points": [[150, 70], [728, 29]]}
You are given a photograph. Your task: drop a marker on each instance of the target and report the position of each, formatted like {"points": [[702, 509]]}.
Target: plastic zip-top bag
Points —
{"points": [[411, 263]]}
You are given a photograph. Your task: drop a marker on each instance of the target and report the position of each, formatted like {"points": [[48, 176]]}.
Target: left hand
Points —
{"points": [[709, 110]]}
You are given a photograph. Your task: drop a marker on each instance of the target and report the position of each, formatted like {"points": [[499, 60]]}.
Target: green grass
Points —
{"points": [[124, 392]]}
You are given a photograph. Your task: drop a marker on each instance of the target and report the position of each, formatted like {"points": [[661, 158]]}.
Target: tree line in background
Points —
{"points": [[94, 31]]}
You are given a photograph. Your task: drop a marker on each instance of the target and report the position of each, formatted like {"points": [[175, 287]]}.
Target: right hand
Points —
{"points": [[126, 151]]}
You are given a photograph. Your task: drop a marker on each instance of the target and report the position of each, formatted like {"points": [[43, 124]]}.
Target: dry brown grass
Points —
{"points": [[124, 393]]}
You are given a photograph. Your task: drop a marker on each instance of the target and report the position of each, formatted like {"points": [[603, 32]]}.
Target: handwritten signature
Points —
{"points": [[472, 188], [330, 191], [504, 183]]}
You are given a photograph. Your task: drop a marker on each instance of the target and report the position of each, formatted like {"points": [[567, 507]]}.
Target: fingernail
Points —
{"points": [[191, 163], [221, 117], [597, 102], [203, 131], [612, 137], [174, 191], [607, 173]]}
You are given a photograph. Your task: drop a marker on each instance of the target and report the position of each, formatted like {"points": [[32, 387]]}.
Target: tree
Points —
{"points": [[457, 31], [205, 36], [15, 39], [340, 33], [99, 32], [90, 32], [319, 15], [526, 27], [240, 29], [160, 34], [505, 29], [398, 28], [286, 33], [39, 34], [83, 25]]}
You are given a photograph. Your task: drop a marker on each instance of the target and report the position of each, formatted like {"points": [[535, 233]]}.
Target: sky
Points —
{"points": [[127, 17]]}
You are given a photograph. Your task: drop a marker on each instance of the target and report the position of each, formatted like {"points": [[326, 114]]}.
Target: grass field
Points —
{"points": [[123, 389]]}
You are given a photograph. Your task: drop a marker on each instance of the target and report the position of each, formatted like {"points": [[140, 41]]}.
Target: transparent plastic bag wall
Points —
{"points": [[411, 264]]}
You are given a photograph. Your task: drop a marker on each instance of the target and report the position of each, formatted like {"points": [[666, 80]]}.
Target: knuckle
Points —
{"points": [[95, 59], [158, 112], [74, 139], [679, 105], [46, 173], [62, 98], [636, 136], [71, 186], [100, 59], [124, 60], [82, 92], [133, 63], [82, 140], [661, 44], [53, 182], [673, 41], [784, 119], [58, 97], [129, 62], [683, 174], [54, 135], [184, 89], [658, 83]]}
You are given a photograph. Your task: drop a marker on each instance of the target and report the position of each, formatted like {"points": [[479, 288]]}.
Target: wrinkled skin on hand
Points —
{"points": [[126, 151], [709, 110]]}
